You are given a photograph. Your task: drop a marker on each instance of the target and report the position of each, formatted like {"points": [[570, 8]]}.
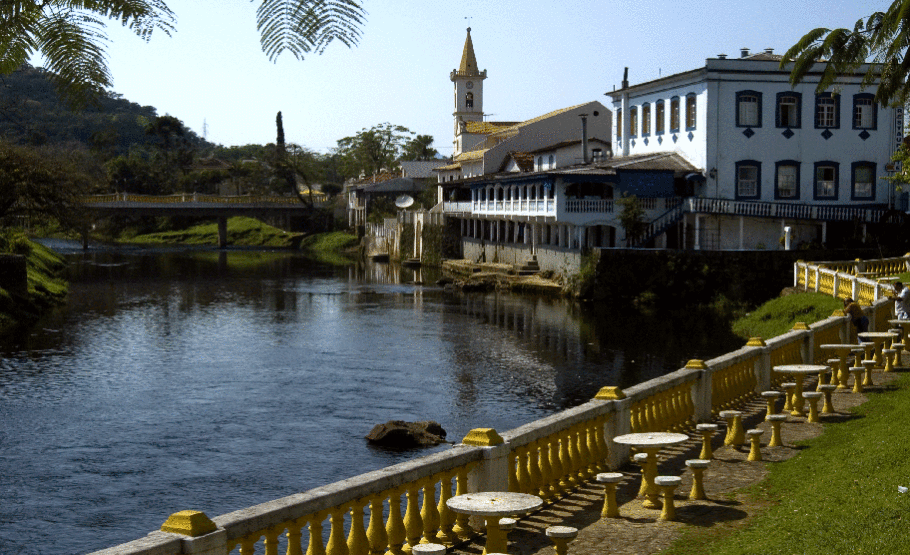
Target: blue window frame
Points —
{"points": [[862, 181], [645, 119], [691, 112], [786, 180], [865, 111], [826, 180], [748, 179], [659, 117], [674, 115], [633, 121], [789, 110], [827, 111], [748, 109]]}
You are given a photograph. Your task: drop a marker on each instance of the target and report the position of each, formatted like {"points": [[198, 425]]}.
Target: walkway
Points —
{"points": [[638, 531]]}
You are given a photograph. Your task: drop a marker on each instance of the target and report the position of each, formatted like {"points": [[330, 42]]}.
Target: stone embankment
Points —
{"points": [[465, 275]]}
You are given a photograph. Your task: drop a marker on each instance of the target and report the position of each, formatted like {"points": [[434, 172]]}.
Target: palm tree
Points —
{"points": [[70, 34], [881, 38]]}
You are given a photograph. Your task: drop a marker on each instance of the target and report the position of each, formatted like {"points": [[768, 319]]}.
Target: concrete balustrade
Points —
{"points": [[404, 504]]}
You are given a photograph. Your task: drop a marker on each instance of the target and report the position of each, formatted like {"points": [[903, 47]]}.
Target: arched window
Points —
{"points": [[645, 119], [659, 117], [690, 111], [674, 114], [550, 163], [469, 100]]}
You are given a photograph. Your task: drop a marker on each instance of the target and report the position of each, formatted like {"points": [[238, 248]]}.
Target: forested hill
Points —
{"points": [[32, 113]]}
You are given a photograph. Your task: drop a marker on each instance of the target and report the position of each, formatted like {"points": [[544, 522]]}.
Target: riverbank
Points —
{"points": [[44, 286]]}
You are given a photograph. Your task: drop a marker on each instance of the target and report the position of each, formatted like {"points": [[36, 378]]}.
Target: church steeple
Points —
{"points": [[468, 82]]}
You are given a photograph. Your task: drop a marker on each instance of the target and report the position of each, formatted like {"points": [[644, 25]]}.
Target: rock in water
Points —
{"points": [[398, 433]]}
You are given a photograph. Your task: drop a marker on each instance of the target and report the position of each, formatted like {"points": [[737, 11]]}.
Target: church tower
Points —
{"points": [[468, 91]]}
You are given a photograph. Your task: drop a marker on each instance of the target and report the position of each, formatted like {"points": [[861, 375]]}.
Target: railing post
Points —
{"points": [[762, 366], [702, 390], [619, 422], [492, 474], [199, 535]]}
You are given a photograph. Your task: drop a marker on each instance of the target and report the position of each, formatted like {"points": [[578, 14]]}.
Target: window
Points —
{"points": [[788, 114], [550, 164], [826, 180], [748, 109], [633, 121], [469, 100], [863, 180], [645, 119], [674, 114], [748, 179], [690, 111], [619, 127], [827, 113], [659, 117], [864, 111], [786, 182]]}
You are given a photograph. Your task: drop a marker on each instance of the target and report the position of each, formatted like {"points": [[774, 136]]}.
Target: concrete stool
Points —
{"points": [[771, 398], [834, 364], [429, 549], [859, 354], [668, 485], [776, 420], [889, 359], [869, 365], [858, 378], [827, 390], [813, 397], [707, 432], [698, 467], [755, 438], [735, 435], [897, 344], [898, 356], [789, 389], [641, 459], [561, 536], [506, 525], [609, 480]]}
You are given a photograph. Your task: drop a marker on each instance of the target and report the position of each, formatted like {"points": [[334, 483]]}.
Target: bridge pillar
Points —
{"points": [[222, 232]]}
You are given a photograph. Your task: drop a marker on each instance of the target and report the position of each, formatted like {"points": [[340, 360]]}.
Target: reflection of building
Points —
{"points": [[772, 155]]}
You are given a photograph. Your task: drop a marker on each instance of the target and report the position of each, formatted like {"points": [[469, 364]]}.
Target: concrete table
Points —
{"points": [[493, 505], [799, 371], [651, 443], [881, 339], [842, 351]]}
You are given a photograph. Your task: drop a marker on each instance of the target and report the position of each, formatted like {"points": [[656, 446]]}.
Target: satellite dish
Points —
{"points": [[404, 201]]}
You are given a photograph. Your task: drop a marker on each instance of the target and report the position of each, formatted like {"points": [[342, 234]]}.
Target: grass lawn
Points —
{"points": [[777, 316], [839, 495], [46, 288], [242, 231]]}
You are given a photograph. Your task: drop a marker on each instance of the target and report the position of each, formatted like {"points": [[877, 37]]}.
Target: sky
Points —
{"points": [[539, 56]]}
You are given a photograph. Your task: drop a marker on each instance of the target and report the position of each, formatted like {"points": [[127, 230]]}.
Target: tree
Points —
{"points": [[70, 35], [882, 38], [631, 218], [419, 148], [372, 150]]}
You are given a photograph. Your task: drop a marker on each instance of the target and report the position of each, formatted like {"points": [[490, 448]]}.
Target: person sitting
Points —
{"points": [[901, 300], [855, 312]]}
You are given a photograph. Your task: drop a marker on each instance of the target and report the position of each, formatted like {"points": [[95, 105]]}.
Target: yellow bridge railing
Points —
{"points": [[185, 198]]}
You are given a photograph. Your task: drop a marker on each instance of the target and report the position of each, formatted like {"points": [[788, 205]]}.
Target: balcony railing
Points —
{"points": [[589, 205], [783, 210]]}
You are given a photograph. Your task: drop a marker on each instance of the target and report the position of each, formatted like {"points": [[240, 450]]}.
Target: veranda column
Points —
{"points": [[697, 245], [742, 225]]}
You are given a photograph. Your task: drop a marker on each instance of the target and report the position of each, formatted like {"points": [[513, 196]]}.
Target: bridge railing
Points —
{"points": [[395, 508], [116, 198], [859, 279]]}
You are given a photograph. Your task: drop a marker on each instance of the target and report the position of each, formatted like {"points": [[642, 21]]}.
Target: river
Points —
{"points": [[213, 380]]}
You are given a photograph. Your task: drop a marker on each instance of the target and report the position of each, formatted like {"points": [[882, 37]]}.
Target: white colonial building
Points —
{"points": [[774, 157]]}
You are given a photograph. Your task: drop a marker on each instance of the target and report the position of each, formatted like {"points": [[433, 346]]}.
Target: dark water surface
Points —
{"points": [[217, 380]]}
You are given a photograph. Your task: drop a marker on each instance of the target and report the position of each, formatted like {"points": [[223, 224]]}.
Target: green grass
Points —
{"points": [[839, 495], [334, 248], [46, 287], [777, 316], [242, 231]]}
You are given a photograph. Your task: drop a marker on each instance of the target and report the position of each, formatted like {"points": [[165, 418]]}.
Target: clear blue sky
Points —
{"points": [[540, 56]]}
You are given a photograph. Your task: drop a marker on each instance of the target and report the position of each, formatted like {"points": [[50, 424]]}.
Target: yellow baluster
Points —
{"points": [[521, 469], [270, 542], [337, 545], [294, 536], [584, 451], [546, 472], [248, 545], [376, 534], [574, 456], [462, 525], [535, 476], [601, 445], [556, 466], [429, 514], [446, 517], [315, 546], [635, 424], [358, 543], [565, 462], [413, 524], [514, 470], [395, 525]]}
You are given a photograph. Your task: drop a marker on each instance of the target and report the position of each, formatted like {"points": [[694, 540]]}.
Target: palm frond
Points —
{"points": [[304, 26], [72, 44]]}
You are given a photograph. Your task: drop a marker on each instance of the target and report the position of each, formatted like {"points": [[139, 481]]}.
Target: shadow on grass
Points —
{"points": [[709, 515]]}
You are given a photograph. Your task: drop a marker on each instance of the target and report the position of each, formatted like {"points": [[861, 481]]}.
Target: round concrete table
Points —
{"points": [[799, 371], [881, 339], [493, 505], [843, 351], [651, 443]]}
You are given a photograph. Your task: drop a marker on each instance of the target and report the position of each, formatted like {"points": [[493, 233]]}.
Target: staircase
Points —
{"points": [[660, 225], [529, 268]]}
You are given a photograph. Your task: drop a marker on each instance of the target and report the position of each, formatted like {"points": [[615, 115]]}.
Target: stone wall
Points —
{"points": [[561, 261]]}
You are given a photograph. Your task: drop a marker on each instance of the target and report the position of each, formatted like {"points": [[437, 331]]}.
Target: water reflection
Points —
{"points": [[215, 380]]}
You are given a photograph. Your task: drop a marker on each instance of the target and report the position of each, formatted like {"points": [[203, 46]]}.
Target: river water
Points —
{"points": [[215, 380]]}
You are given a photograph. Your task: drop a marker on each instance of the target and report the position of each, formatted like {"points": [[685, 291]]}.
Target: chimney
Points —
{"points": [[584, 135], [722, 56], [625, 79], [769, 51], [744, 52]]}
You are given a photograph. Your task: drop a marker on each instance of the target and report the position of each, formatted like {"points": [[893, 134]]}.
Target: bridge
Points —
{"points": [[199, 205]]}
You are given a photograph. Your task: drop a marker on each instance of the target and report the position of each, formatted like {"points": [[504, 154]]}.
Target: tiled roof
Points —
{"points": [[672, 161], [524, 161], [468, 61], [487, 127], [514, 128], [396, 185], [455, 166], [471, 155]]}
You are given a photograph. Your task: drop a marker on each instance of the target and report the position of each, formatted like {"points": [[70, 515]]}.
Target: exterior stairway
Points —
{"points": [[529, 268]]}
